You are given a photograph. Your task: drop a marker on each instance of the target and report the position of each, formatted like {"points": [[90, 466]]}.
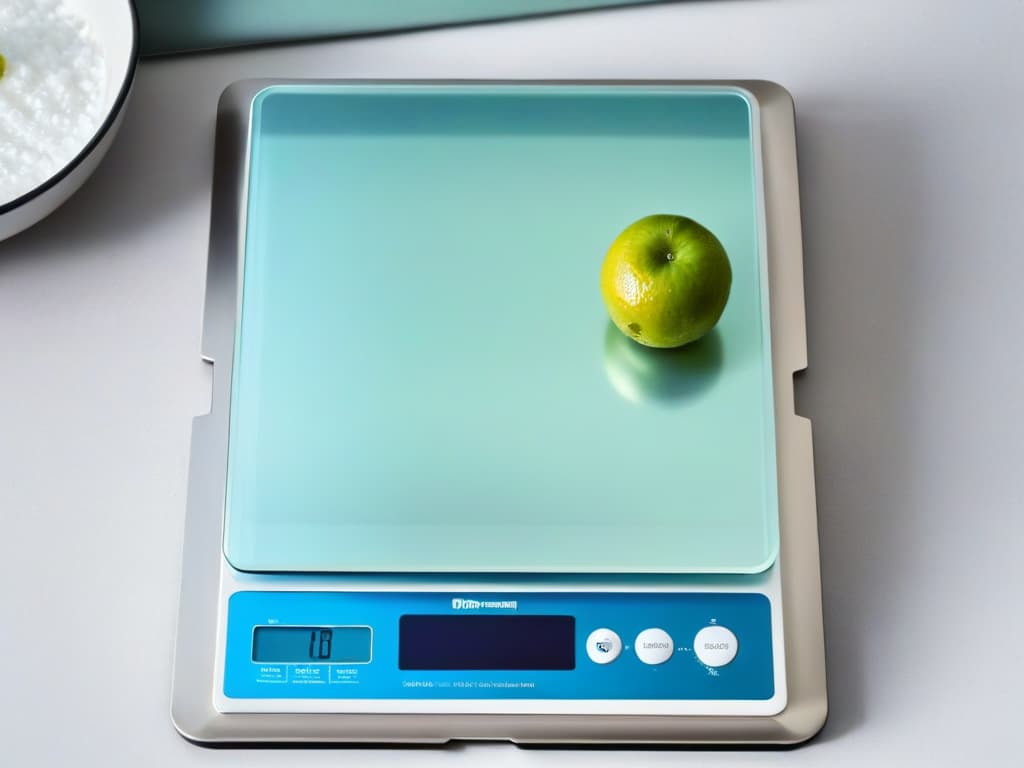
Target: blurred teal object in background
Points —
{"points": [[170, 26]]}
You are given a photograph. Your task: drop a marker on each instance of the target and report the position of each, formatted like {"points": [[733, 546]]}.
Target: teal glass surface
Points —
{"points": [[168, 26], [425, 377]]}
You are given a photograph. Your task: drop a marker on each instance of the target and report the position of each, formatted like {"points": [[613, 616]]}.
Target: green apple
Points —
{"points": [[665, 281]]}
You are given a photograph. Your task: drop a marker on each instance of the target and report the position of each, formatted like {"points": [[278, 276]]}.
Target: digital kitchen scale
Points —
{"points": [[438, 495]]}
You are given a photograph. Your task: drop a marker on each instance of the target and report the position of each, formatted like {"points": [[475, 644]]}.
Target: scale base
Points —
{"points": [[792, 584]]}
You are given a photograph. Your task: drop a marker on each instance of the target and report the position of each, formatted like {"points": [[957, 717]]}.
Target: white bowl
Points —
{"points": [[115, 26]]}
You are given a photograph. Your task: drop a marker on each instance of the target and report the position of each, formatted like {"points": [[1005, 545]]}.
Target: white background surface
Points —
{"points": [[910, 121]]}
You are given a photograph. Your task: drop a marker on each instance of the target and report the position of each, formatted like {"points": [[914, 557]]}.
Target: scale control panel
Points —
{"points": [[526, 645]]}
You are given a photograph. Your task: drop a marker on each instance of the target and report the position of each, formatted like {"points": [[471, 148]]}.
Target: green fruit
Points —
{"points": [[665, 281]]}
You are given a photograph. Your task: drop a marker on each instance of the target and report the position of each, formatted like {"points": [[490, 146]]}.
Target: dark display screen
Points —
{"points": [[297, 645], [480, 642]]}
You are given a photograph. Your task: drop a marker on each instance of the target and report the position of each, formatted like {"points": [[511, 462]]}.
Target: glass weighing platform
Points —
{"points": [[438, 494]]}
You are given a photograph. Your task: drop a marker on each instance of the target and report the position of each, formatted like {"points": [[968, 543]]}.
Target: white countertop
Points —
{"points": [[910, 122]]}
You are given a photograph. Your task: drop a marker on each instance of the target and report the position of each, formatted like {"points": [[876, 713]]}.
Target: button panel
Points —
{"points": [[610, 646]]}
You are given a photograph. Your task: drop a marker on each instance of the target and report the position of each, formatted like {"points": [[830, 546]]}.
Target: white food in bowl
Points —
{"points": [[69, 69], [51, 93]]}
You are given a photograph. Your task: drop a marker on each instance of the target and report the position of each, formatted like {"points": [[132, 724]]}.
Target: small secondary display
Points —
{"points": [[475, 642], [297, 645]]}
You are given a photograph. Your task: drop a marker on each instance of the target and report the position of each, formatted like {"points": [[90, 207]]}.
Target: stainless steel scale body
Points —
{"points": [[796, 706]]}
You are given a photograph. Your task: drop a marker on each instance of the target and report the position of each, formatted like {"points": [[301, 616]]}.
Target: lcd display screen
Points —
{"points": [[303, 645], [481, 642]]}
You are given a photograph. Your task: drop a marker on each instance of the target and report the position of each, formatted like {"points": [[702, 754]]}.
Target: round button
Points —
{"points": [[603, 646], [653, 646], [715, 646]]}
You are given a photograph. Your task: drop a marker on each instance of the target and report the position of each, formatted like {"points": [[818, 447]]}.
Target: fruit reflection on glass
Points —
{"points": [[665, 281]]}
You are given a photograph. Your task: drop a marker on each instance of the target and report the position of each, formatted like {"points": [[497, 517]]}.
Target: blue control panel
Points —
{"points": [[523, 645]]}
